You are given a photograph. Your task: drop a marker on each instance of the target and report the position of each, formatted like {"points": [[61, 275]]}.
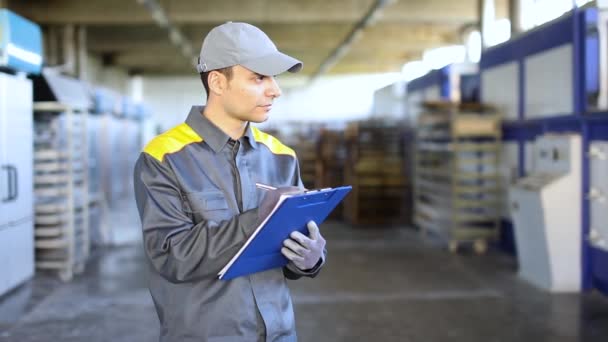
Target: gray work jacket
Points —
{"points": [[197, 200]]}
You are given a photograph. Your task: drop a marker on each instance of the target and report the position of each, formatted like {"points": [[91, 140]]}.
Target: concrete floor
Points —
{"points": [[378, 285]]}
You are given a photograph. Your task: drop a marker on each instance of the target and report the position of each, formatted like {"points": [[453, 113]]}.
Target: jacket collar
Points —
{"points": [[211, 134]]}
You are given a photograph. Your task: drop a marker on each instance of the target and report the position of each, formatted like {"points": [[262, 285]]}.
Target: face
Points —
{"points": [[249, 96]]}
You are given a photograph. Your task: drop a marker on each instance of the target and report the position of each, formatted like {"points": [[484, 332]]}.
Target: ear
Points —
{"points": [[217, 82]]}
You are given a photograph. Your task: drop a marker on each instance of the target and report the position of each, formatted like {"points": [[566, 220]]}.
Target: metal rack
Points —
{"points": [[457, 183], [61, 188], [99, 230]]}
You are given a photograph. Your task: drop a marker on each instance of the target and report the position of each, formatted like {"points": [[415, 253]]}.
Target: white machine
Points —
{"points": [[20, 51], [546, 211]]}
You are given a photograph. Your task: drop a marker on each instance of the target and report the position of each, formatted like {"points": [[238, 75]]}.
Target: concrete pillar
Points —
{"points": [[515, 17], [81, 36], [136, 88], [487, 16], [51, 49], [69, 49]]}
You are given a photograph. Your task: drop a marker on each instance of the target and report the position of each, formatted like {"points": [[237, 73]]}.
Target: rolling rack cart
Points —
{"points": [[457, 182], [60, 181]]}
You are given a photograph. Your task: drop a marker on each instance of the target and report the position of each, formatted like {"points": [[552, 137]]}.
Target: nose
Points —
{"points": [[273, 90]]}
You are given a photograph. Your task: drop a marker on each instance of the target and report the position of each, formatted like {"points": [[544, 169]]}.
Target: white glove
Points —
{"points": [[304, 251]]}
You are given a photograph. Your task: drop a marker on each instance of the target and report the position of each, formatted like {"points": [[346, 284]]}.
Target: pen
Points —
{"points": [[265, 187]]}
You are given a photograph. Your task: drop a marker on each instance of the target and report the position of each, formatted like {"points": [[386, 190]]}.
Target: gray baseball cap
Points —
{"points": [[243, 44]]}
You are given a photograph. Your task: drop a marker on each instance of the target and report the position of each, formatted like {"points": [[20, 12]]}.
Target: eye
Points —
{"points": [[259, 77]]}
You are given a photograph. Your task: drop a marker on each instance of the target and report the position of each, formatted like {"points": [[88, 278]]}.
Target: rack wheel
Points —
{"points": [[453, 246], [66, 274], [480, 246]]}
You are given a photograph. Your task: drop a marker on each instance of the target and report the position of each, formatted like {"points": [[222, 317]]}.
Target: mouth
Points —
{"points": [[267, 107]]}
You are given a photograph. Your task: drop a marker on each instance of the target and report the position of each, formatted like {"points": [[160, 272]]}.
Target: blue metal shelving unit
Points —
{"points": [[575, 29]]}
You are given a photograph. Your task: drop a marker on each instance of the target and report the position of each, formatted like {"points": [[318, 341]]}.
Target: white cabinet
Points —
{"points": [[16, 193], [546, 210]]}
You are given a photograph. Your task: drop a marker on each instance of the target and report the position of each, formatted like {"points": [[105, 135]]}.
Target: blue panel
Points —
{"points": [[433, 78], [598, 128], [470, 88], [445, 86], [586, 258], [590, 16], [600, 269], [521, 89], [521, 158], [507, 237], [499, 54], [510, 132], [592, 64], [550, 35], [562, 124], [20, 43], [578, 68], [521, 130]]}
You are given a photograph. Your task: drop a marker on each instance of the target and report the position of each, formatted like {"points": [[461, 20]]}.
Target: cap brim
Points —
{"points": [[273, 64]]}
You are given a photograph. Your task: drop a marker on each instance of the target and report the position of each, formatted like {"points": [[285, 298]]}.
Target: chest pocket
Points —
{"points": [[208, 206]]}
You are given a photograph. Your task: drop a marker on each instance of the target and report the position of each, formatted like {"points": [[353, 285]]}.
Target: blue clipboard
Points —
{"points": [[262, 251]]}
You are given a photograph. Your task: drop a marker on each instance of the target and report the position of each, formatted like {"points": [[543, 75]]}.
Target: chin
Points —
{"points": [[259, 117]]}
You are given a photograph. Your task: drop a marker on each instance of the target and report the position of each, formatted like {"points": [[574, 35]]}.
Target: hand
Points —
{"points": [[272, 197], [304, 251]]}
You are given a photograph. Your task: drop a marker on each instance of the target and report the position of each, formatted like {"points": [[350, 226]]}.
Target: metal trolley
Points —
{"points": [[61, 188], [457, 182]]}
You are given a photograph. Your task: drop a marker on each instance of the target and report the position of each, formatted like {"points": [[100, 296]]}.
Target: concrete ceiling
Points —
{"points": [[125, 34]]}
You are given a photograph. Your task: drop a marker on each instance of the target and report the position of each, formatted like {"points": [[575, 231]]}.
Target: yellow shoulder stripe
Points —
{"points": [[272, 143], [172, 141]]}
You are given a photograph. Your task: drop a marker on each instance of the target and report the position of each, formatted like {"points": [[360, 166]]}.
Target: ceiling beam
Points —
{"points": [[176, 37], [340, 50], [286, 37], [128, 12], [309, 30]]}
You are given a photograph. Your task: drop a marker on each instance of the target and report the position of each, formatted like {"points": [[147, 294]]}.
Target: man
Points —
{"points": [[198, 203]]}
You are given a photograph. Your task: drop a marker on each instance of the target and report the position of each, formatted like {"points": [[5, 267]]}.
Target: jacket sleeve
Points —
{"points": [[290, 270], [178, 249]]}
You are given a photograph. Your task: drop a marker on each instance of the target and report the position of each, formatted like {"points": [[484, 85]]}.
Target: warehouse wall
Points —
{"points": [[107, 76], [389, 102], [171, 97]]}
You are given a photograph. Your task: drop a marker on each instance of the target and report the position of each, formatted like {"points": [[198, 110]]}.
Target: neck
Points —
{"points": [[233, 127]]}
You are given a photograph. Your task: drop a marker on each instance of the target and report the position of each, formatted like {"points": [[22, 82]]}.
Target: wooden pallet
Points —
{"points": [[375, 167]]}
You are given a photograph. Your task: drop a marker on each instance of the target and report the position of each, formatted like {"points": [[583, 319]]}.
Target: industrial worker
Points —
{"points": [[196, 193]]}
